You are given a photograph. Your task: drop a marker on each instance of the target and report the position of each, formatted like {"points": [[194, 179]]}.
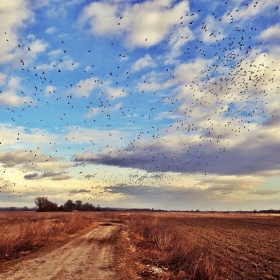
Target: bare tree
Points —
{"points": [[44, 205], [41, 203]]}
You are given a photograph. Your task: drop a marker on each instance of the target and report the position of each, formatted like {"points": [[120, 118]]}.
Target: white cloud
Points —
{"points": [[243, 13], [167, 115], [271, 34], [36, 46], [143, 62], [68, 64], [153, 81], [85, 87], [17, 136], [193, 71], [114, 93], [143, 24], [180, 36], [15, 16], [93, 112], [96, 110], [10, 97], [55, 53], [213, 32], [50, 30], [50, 90], [90, 136], [2, 79]]}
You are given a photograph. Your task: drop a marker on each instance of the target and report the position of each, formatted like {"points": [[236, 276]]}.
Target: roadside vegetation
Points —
{"points": [[157, 250], [24, 232]]}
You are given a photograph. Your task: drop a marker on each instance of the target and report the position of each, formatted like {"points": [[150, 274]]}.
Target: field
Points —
{"points": [[204, 246], [153, 245]]}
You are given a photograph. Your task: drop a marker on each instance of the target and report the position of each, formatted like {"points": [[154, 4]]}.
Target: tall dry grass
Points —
{"points": [[26, 231], [153, 249]]}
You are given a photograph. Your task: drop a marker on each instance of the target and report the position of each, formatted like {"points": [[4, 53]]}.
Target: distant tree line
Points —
{"points": [[12, 208], [45, 205]]}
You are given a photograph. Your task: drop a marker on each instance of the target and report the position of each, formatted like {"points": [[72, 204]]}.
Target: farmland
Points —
{"points": [[206, 246], [149, 245], [251, 244]]}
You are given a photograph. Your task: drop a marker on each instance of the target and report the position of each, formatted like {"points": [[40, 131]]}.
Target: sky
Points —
{"points": [[147, 104]]}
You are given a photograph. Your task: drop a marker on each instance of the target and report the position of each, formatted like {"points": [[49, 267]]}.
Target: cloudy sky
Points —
{"points": [[141, 103]]}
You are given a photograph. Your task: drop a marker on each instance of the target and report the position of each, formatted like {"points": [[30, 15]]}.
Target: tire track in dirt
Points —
{"points": [[89, 256]]}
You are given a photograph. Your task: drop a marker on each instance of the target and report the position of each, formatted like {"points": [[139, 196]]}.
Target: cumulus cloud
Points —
{"points": [[67, 63], [272, 34], [143, 62], [241, 12], [114, 93], [55, 53], [142, 24], [187, 154], [14, 17], [211, 31], [96, 110], [50, 30], [167, 115], [192, 71], [154, 81], [50, 90], [85, 87], [180, 36], [3, 77], [9, 96]]}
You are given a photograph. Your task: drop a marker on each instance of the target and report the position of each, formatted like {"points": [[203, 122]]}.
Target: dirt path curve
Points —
{"points": [[89, 256]]}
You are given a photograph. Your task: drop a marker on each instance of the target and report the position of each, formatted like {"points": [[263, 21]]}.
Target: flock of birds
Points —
{"points": [[226, 89]]}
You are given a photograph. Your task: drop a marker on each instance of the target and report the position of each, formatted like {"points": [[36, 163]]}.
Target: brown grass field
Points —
{"points": [[156, 245], [202, 246]]}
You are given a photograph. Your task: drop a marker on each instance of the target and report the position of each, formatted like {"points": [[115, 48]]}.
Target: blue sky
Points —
{"points": [[140, 103]]}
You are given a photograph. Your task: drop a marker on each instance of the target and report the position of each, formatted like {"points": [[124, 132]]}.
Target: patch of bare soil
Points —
{"points": [[89, 256]]}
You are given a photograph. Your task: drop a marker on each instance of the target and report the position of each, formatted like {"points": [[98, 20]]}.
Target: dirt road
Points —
{"points": [[89, 256]]}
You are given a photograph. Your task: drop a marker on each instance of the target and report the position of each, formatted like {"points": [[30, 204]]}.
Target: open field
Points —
{"points": [[151, 245], [204, 246], [251, 244]]}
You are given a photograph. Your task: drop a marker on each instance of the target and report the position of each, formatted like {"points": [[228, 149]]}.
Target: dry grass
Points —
{"points": [[200, 246], [160, 245], [157, 251], [23, 232]]}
